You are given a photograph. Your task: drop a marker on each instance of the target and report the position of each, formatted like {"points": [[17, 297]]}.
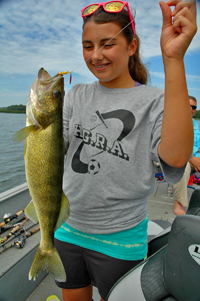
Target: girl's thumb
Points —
{"points": [[166, 12]]}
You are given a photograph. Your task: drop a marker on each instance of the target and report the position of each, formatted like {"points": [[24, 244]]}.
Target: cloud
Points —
{"points": [[195, 78], [42, 33], [157, 74], [48, 33]]}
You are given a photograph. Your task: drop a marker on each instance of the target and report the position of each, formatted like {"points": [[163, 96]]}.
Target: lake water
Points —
{"points": [[12, 169]]}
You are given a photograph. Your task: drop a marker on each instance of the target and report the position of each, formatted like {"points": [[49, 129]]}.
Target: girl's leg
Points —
{"points": [[78, 286], [78, 294], [105, 271]]}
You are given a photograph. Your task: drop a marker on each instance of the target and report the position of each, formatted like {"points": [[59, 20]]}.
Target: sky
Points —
{"points": [[48, 34]]}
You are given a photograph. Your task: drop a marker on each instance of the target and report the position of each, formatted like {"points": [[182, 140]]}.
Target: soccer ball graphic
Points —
{"points": [[93, 167]]}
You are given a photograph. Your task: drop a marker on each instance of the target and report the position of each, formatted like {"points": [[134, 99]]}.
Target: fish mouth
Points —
{"points": [[47, 80], [43, 74], [43, 83]]}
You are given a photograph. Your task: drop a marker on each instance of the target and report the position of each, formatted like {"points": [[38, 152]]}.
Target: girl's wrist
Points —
{"points": [[172, 60], [173, 65]]}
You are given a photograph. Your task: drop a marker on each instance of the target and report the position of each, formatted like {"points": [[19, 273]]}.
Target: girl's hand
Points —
{"points": [[179, 27]]}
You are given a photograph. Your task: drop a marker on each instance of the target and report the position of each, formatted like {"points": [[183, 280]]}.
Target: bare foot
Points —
{"points": [[178, 209]]}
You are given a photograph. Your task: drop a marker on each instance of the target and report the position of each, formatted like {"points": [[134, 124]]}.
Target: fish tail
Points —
{"points": [[50, 261]]}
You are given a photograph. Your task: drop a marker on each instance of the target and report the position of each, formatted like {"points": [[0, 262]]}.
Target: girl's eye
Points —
{"points": [[108, 45], [87, 47]]}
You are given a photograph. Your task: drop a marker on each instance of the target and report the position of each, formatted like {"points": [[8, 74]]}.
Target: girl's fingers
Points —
{"points": [[184, 15], [181, 5], [185, 12], [181, 24], [185, 18], [184, 5], [177, 32], [182, 8]]}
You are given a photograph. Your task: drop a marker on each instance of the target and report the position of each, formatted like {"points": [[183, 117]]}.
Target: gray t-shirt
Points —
{"points": [[111, 137]]}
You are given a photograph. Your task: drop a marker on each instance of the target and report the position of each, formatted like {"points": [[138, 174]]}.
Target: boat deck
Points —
{"points": [[160, 207]]}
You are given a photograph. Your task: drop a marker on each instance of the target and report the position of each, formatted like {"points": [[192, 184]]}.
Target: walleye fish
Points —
{"points": [[44, 159]]}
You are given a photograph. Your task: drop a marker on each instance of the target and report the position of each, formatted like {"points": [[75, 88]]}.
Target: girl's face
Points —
{"points": [[109, 64]]}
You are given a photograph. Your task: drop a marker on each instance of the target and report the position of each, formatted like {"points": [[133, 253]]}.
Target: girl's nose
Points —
{"points": [[97, 55]]}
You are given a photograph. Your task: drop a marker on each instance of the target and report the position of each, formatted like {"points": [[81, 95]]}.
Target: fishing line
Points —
{"points": [[70, 72]]}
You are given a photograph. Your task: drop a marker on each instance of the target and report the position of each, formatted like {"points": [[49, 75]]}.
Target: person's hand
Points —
{"points": [[179, 27], [195, 161]]}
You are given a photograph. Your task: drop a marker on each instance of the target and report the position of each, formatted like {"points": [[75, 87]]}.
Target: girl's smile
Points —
{"points": [[100, 67], [110, 63]]}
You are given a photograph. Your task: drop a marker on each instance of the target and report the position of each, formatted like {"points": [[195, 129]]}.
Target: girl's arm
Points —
{"points": [[179, 27]]}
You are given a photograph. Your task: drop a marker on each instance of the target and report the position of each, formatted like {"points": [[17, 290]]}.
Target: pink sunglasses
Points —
{"points": [[110, 7]]}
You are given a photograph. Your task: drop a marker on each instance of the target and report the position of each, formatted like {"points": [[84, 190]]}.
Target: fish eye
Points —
{"points": [[56, 93]]}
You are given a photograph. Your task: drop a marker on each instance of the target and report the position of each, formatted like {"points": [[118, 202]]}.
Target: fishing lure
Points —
{"points": [[67, 72]]}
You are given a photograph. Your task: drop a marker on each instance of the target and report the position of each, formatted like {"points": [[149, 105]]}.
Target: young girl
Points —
{"points": [[114, 129]]}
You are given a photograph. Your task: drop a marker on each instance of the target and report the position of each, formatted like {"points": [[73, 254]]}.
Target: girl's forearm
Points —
{"points": [[177, 134]]}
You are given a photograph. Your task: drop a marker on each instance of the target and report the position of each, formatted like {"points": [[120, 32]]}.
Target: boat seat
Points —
{"points": [[170, 274], [182, 261], [160, 240], [194, 205]]}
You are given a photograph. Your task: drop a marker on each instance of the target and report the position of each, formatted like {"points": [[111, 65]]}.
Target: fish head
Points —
{"points": [[45, 100]]}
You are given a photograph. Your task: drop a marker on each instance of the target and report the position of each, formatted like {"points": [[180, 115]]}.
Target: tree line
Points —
{"points": [[14, 109], [197, 114]]}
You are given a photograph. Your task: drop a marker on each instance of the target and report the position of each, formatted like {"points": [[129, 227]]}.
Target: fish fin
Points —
{"points": [[22, 134], [64, 212], [31, 213], [50, 261]]}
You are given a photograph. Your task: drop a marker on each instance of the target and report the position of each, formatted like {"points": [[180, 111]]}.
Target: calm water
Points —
{"points": [[12, 169]]}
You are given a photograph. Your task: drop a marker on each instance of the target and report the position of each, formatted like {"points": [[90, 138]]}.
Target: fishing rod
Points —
{"points": [[5, 238], [16, 228], [20, 242], [30, 233], [8, 220]]}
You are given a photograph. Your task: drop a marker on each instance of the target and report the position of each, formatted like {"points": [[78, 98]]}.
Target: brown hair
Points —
{"points": [[137, 69], [192, 97]]}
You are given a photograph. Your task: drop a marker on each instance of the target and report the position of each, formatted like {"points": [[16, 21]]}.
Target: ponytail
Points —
{"points": [[137, 69]]}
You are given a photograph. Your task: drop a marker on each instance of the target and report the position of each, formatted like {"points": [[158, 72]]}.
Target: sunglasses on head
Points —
{"points": [[110, 7], [193, 107]]}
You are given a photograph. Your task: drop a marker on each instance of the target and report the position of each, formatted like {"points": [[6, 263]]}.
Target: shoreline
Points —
{"points": [[12, 111]]}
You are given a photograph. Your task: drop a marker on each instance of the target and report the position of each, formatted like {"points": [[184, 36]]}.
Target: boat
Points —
{"points": [[15, 262]]}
